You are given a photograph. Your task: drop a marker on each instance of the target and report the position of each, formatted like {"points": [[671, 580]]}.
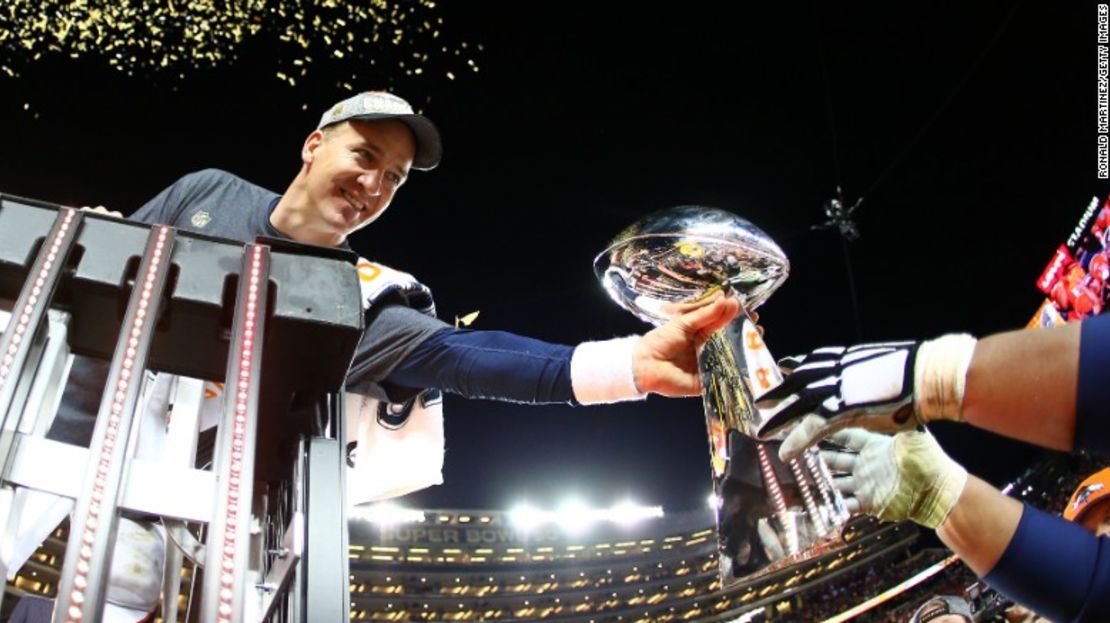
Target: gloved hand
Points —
{"points": [[884, 387], [905, 476]]}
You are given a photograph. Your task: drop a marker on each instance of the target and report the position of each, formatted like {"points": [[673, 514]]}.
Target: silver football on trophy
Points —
{"points": [[679, 254]]}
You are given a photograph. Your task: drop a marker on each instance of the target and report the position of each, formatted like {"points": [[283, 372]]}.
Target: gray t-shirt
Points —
{"points": [[215, 203], [218, 203]]}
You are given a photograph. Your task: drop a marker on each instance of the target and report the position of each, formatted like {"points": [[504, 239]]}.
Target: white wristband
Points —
{"points": [[939, 377], [601, 372]]}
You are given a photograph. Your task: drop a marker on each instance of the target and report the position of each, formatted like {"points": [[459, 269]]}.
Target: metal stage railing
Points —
{"points": [[276, 322]]}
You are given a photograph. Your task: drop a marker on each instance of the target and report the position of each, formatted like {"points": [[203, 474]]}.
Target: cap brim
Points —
{"points": [[429, 149], [1096, 498]]}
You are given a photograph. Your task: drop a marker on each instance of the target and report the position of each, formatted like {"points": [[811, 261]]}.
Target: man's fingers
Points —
{"points": [[809, 431], [704, 317], [673, 309], [843, 462], [852, 505], [778, 414], [706, 321], [846, 485], [102, 210], [852, 438]]}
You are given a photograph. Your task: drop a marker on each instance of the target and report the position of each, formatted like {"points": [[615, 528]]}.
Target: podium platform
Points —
{"points": [[274, 322]]}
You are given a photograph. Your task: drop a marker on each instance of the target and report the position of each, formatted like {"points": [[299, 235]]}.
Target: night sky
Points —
{"points": [[970, 131]]}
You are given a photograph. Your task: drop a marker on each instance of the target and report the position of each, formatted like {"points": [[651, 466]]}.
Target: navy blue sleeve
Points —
{"points": [[1055, 568], [1092, 399], [165, 207], [489, 364]]}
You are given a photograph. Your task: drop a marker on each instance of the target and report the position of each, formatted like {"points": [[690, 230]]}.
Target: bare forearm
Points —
{"points": [[1022, 384], [981, 525]]}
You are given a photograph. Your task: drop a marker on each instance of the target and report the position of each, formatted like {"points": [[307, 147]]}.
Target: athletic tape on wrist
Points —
{"points": [[940, 374], [932, 482], [601, 372]]}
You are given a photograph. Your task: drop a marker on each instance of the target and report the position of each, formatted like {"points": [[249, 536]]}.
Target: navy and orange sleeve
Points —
{"points": [[1055, 568]]}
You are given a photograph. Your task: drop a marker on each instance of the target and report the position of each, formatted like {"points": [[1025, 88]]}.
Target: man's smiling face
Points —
{"points": [[353, 170]]}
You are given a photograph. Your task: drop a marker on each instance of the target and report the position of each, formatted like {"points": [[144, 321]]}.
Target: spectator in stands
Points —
{"points": [[1046, 386], [943, 609], [1089, 505]]}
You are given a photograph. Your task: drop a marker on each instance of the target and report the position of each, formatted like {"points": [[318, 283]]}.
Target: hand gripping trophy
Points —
{"points": [[770, 514]]}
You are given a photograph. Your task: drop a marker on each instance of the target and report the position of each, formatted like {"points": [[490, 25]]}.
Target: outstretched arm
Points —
{"points": [[1042, 561], [1042, 386], [1022, 384], [404, 349], [980, 525]]}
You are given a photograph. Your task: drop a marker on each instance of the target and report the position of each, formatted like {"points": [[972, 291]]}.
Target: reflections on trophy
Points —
{"points": [[770, 514]]}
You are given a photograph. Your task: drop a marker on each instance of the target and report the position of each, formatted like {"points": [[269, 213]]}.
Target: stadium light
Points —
{"points": [[574, 516], [527, 517], [627, 513]]}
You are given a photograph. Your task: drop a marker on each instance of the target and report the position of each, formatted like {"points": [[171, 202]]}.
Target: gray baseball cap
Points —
{"points": [[373, 105], [942, 605]]}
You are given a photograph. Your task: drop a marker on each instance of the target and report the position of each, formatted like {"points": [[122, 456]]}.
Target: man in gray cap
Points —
{"points": [[352, 165], [943, 609]]}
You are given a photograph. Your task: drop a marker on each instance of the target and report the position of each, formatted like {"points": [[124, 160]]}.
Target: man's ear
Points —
{"points": [[311, 144]]}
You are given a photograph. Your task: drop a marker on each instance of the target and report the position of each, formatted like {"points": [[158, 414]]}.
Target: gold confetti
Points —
{"points": [[466, 320], [177, 38]]}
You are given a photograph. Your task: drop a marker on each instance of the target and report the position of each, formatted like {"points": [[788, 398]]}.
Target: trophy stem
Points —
{"points": [[760, 520], [815, 514]]}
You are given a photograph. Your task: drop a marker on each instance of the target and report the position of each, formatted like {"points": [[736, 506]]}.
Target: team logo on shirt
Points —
{"points": [[200, 218]]}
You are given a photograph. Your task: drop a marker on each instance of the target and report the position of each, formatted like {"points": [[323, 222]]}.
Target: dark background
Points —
{"points": [[970, 130]]}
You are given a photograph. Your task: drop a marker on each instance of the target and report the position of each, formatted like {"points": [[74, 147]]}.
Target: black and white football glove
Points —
{"points": [[883, 387], [870, 385]]}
